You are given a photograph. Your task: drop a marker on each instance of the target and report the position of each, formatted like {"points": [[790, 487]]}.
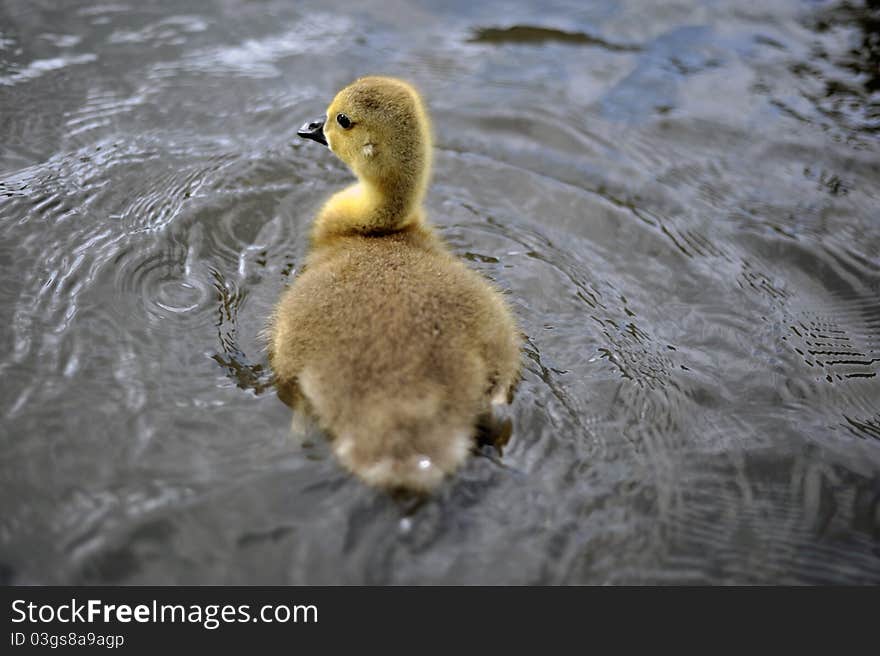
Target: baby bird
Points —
{"points": [[387, 339]]}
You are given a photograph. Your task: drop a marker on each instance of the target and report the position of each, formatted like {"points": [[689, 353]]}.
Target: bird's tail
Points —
{"points": [[410, 444]]}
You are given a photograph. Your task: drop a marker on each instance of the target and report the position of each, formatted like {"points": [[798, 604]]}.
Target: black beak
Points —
{"points": [[313, 131]]}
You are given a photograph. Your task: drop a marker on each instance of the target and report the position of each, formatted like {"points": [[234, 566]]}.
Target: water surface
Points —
{"points": [[680, 199]]}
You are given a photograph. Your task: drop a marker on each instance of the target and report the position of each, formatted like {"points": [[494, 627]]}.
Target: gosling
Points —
{"points": [[385, 338]]}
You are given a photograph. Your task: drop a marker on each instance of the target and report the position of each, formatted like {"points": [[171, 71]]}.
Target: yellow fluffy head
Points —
{"points": [[379, 127]]}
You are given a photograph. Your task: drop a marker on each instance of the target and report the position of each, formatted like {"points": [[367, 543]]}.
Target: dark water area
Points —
{"points": [[681, 199]]}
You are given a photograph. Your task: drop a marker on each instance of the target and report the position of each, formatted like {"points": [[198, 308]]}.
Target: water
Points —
{"points": [[681, 200]]}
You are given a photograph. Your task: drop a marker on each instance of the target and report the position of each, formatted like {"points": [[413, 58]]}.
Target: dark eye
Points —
{"points": [[344, 121]]}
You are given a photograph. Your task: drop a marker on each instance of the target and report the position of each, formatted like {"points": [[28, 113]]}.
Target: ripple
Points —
{"points": [[246, 374], [169, 31], [164, 281], [257, 58], [99, 109], [40, 67], [868, 428], [178, 297]]}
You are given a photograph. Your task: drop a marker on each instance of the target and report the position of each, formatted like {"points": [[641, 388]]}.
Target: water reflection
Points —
{"points": [[843, 73], [539, 35]]}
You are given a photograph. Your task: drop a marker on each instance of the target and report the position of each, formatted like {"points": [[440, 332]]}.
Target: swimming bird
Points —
{"points": [[385, 337]]}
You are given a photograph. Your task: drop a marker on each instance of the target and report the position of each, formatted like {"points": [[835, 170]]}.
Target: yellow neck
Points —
{"points": [[370, 208]]}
